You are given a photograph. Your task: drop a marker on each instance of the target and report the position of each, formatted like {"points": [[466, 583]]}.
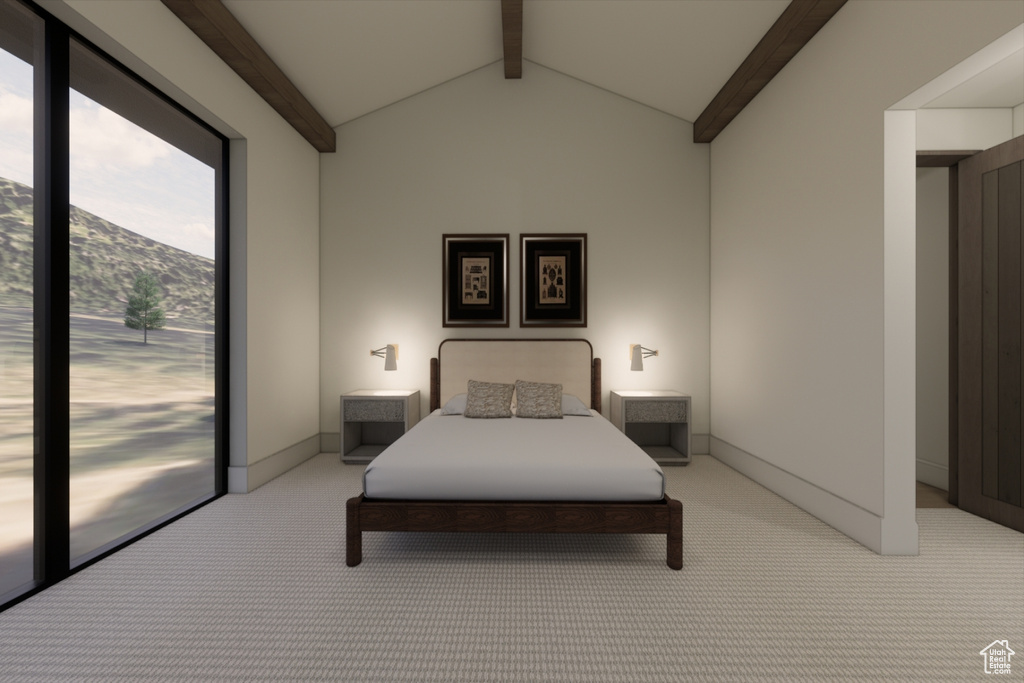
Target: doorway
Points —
{"points": [[989, 378], [906, 131]]}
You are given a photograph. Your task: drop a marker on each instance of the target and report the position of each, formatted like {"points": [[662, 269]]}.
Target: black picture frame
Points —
{"points": [[475, 292], [559, 300]]}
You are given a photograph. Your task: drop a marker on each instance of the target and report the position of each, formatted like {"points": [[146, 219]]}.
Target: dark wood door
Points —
{"points": [[990, 329]]}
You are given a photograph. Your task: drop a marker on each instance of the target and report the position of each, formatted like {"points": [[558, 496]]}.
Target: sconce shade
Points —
{"points": [[637, 354], [390, 355], [636, 358]]}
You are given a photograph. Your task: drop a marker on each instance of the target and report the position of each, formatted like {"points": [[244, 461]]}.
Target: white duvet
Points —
{"points": [[451, 457]]}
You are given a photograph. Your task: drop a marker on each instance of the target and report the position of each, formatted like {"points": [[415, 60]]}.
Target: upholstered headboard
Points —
{"points": [[569, 362]]}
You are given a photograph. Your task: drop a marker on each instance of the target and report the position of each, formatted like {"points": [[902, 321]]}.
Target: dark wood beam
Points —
{"points": [[218, 28], [943, 158], [787, 36], [512, 37]]}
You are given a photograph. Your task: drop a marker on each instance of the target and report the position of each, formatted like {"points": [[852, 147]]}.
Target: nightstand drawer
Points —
{"points": [[374, 411], [655, 411]]}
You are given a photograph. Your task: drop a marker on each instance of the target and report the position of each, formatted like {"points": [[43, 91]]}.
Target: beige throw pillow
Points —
{"points": [[538, 400], [489, 399]]}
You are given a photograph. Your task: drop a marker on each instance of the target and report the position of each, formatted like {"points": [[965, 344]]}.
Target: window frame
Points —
{"points": [[51, 310]]}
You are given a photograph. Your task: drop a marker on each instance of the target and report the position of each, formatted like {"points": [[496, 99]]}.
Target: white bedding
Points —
{"points": [[451, 457]]}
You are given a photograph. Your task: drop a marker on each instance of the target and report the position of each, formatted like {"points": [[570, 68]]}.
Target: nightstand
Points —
{"points": [[373, 419], [657, 421]]}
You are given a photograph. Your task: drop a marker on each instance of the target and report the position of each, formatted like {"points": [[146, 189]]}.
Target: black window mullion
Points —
{"points": [[52, 327], [221, 327]]}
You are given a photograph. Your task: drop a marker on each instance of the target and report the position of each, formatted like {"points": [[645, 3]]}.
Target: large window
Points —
{"points": [[142, 311], [111, 367], [19, 32]]}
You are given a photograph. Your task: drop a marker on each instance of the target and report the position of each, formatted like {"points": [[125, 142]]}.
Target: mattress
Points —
{"points": [[451, 457]]}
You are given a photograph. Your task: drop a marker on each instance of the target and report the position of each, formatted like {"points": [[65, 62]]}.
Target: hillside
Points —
{"points": [[104, 259]]}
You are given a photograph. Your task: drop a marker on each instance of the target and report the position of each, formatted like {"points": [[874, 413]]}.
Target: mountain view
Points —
{"points": [[104, 260], [142, 412]]}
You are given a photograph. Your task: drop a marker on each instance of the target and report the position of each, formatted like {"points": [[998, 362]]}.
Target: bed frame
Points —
{"points": [[566, 361]]}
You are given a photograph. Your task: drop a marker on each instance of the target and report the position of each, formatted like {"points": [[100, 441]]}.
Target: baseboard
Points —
{"points": [[255, 475], [933, 474], [861, 525], [330, 442]]}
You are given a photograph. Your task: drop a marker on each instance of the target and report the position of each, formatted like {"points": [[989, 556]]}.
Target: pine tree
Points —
{"points": [[144, 312]]}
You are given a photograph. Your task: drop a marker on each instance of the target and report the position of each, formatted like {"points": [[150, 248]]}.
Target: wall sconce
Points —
{"points": [[637, 354], [390, 355]]}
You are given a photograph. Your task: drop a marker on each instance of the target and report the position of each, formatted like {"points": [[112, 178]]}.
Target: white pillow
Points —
{"points": [[573, 406], [456, 405]]}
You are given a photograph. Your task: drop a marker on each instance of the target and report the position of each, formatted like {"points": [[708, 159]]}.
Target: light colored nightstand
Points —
{"points": [[657, 421], [373, 419]]}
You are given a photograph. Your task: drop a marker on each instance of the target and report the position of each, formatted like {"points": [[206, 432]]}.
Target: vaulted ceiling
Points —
{"points": [[351, 57]]}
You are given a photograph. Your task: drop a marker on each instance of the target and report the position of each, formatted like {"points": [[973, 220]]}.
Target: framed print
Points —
{"points": [[475, 281], [553, 280]]}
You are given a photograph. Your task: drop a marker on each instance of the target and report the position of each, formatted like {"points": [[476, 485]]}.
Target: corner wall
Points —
{"points": [[273, 232], [545, 154], [802, 319]]}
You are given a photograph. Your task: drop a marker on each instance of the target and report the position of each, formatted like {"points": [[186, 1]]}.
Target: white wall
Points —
{"points": [[545, 154], [933, 327], [1018, 120], [963, 129], [798, 295], [274, 217]]}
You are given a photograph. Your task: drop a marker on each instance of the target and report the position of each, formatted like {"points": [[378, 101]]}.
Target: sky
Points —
{"points": [[119, 171]]}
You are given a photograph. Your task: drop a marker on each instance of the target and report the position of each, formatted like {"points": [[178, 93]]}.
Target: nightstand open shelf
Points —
{"points": [[373, 419], [657, 421]]}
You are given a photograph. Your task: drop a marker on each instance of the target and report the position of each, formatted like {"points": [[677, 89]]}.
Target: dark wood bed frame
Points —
{"points": [[660, 517]]}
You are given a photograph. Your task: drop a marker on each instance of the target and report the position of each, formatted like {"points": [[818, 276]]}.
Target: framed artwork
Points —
{"points": [[475, 281], [553, 280]]}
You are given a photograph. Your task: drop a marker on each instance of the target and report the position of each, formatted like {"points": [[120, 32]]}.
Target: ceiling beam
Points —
{"points": [[793, 29], [218, 28], [512, 37]]}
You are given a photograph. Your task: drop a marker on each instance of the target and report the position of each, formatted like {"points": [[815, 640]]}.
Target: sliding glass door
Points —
{"points": [[112, 290]]}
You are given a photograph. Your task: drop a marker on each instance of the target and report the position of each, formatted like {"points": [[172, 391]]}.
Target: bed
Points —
{"points": [[514, 475]]}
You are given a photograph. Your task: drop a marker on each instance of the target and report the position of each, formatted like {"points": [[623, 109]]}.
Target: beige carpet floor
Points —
{"points": [[254, 588]]}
